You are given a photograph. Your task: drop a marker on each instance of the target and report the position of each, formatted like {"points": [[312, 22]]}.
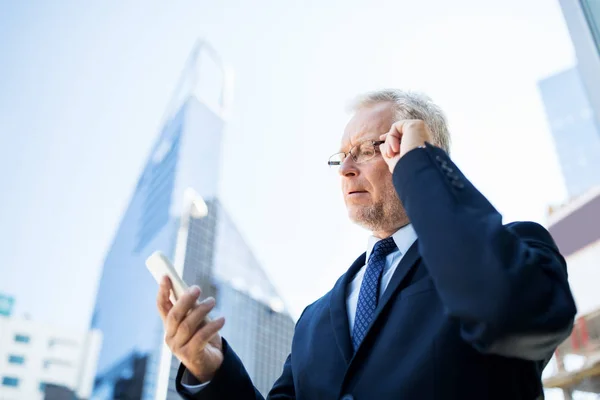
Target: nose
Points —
{"points": [[348, 168]]}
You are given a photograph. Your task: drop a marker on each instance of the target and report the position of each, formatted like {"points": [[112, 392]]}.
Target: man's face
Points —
{"points": [[368, 190]]}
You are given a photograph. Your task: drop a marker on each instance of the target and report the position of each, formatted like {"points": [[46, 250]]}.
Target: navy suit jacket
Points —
{"points": [[474, 310]]}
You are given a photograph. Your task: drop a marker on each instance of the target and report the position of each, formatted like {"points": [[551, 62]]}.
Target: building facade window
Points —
{"points": [[6, 305], [20, 338], [18, 360], [62, 342], [10, 381], [61, 363]]}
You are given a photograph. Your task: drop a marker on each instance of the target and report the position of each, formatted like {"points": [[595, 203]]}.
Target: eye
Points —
{"points": [[368, 152]]}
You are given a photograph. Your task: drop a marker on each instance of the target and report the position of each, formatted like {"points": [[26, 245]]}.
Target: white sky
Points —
{"points": [[84, 87]]}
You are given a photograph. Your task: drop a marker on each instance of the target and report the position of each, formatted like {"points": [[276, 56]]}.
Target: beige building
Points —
{"points": [[34, 356]]}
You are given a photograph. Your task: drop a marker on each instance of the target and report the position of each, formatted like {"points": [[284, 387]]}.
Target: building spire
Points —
{"points": [[189, 83]]}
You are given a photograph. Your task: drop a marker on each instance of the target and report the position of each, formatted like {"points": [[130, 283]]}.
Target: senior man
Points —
{"points": [[446, 302]]}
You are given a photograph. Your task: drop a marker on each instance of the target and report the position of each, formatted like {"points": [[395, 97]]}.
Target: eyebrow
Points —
{"points": [[361, 141]]}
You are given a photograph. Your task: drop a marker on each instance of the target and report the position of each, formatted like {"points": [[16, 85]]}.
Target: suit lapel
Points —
{"points": [[337, 303], [406, 265], [338, 311]]}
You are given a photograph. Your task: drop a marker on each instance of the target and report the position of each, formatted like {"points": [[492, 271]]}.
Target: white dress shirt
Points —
{"points": [[404, 238]]}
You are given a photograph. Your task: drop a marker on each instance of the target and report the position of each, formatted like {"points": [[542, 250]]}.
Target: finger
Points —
{"points": [[194, 321], [203, 336], [395, 135], [180, 310], [383, 149], [395, 144], [388, 138], [389, 151], [382, 137], [162, 299]]}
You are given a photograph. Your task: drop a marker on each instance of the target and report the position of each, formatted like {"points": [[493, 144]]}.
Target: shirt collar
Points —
{"points": [[403, 237]]}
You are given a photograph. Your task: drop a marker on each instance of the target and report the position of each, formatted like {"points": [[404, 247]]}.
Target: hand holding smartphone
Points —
{"points": [[200, 349]]}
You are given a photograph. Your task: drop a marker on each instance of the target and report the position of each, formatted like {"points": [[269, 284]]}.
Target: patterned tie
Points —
{"points": [[369, 289]]}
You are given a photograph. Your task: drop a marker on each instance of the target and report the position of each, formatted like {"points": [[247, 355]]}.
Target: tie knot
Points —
{"points": [[384, 247]]}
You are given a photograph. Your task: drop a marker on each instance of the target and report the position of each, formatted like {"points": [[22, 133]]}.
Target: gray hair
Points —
{"points": [[411, 105]]}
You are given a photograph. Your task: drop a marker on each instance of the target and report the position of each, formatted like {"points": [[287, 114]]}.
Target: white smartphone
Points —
{"points": [[159, 265]]}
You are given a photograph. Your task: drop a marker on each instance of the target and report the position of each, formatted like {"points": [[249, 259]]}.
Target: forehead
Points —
{"points": [[368, 122]]}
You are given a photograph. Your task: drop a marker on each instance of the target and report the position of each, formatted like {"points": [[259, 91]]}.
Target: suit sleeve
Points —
{"points": [[233, 382], [230, 382], [507, 284]]}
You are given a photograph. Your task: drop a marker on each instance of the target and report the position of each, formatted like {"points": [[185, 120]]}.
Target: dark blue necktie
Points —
{"points": [[369, 289]]}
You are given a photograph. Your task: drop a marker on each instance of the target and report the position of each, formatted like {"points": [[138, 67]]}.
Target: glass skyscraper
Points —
{"points": [[574, 128], [583, 21], [182, 171], [591, 11]]}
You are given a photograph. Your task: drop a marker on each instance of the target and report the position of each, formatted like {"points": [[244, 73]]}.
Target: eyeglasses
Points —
{"points": [[360, 153]]}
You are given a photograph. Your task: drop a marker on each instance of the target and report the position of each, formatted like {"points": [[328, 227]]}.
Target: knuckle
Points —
{"points": [[173, 317], [203, 334], [192, 347], [182, 353], [185, 328], [197, 310], [186, 352]]}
